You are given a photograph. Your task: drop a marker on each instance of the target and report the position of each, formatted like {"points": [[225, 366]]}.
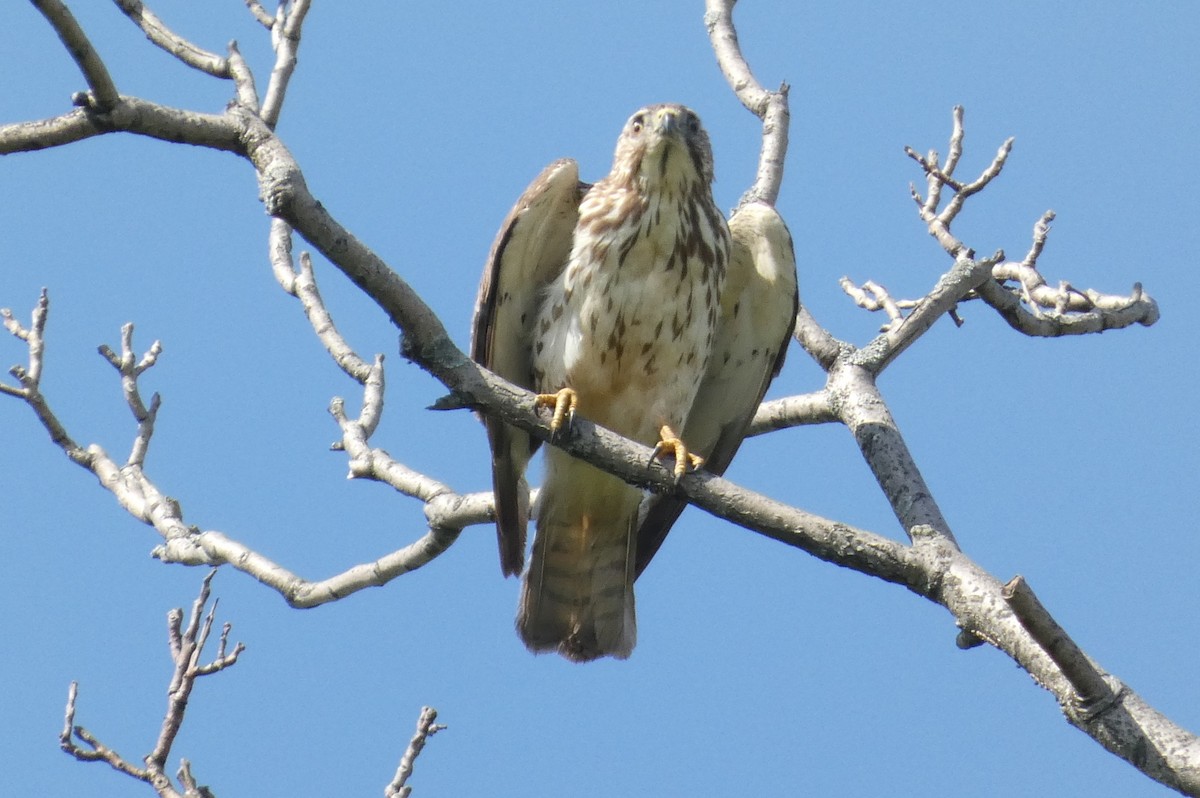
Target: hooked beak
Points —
{"points": [[667, 123]]}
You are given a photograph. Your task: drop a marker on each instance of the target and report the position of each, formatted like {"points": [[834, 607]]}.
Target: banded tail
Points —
{"points": [[577, 595]]}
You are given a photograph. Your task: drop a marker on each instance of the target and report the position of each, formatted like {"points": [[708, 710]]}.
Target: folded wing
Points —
{"points": [[530, 250]]}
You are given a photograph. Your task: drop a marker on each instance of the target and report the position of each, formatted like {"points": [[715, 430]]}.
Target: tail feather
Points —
{"points": [[577, 596]]}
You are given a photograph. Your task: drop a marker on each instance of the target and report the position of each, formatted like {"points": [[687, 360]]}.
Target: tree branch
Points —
{"points": [[186, 648], [166, 39], [769, 106], [793, 411], [103, 94], [285, 38], [426, 728], [261, 14], [128, 115]]}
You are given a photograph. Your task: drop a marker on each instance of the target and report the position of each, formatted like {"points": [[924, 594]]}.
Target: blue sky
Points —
{"points": [[759, 670]]}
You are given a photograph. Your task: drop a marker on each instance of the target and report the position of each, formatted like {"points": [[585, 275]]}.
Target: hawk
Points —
{"points": [[608, 300]]}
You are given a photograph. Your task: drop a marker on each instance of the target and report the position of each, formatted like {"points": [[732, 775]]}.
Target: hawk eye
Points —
{"points": [[693, 123], [637, 123]]}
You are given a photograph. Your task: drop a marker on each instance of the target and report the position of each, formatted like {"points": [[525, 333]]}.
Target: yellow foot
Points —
{"points": [[685, 461], [564, 403]]}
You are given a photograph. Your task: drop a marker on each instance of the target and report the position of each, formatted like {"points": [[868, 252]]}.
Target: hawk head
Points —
{"points": [[664, 146]]}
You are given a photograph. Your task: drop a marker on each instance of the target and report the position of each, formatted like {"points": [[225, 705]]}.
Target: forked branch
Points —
{"points": [[187, 646], [1017, 289]]}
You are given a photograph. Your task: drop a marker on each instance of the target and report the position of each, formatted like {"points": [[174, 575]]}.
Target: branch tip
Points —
{"points": [[1087, 682]]}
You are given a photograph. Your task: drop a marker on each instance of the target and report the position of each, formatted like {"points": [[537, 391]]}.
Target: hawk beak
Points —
{"points": [[667, 122]]}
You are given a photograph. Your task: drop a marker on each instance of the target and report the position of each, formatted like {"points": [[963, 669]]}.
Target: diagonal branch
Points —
{"points": [[261, 14], [166, 39], [103, 94]]}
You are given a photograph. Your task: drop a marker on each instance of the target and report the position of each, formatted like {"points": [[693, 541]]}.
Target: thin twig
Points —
{"points": [[166, 39], [261, 14], [1033, 307], [130, 372], [285, 36], [426, 728], [873, 296], [186, 647]]}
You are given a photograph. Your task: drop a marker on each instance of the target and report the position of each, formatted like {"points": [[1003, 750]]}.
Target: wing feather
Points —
{"points": [[530, 250], [758, 313]]}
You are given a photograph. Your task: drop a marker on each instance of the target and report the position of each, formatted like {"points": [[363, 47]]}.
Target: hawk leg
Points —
{"points": [[685, 461], [564, 403]]}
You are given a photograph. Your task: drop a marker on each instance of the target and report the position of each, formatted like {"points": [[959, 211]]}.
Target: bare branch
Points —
{"points": [[263, 16], [303, 286], [187, 670], [426, 728], [213, 548], [865, 413], [243, 79], [103, 96], [96, 751], [45, 133], [130, 371], [953, 286], [130, 115], [769, 106], [873, 296], [1035, 308], [1137, 308], [186, 648], [792, 411], [191, 788], [165, 38], [34, 336], [285, 36], [29, 378], [1092, 692], [447, 512], [1031, 306], [817, 341]]}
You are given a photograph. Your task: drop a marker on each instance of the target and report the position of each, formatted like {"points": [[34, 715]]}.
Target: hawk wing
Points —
{"points": [[758, 314], [530, 250]]}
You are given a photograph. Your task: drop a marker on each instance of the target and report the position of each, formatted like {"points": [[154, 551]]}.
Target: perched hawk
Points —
{"points": [[607, 300]]}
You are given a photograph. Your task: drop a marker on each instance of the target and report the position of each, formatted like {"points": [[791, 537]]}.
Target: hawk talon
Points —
{"points": [[685, 461], [563, 404]]}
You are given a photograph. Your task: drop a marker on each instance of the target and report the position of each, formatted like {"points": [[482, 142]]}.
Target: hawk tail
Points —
{"points": [[577, 596]]}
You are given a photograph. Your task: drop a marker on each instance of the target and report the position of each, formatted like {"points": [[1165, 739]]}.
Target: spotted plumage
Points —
{"points": [[755, 321], [613, 291]]}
